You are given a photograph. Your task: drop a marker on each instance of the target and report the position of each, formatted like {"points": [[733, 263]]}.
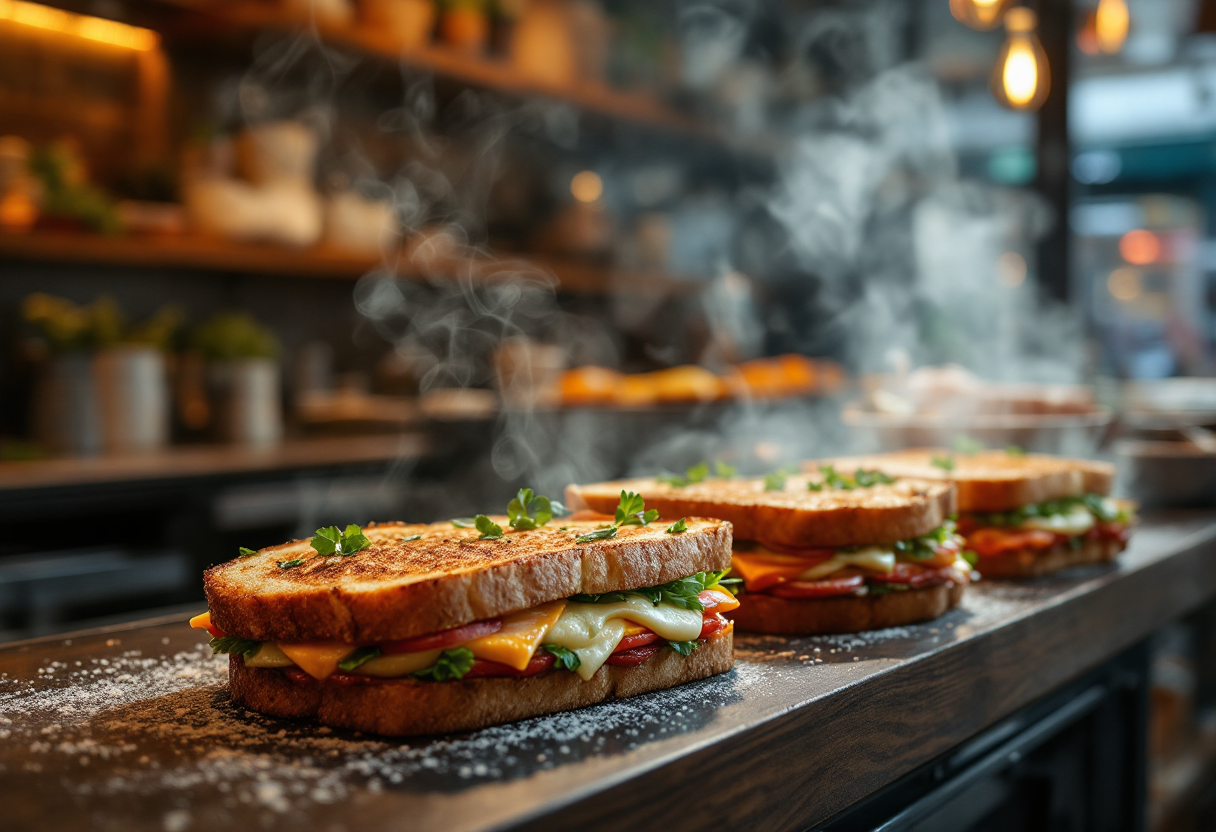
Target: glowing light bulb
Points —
{"points": [[586, 186], [1022, 77], [1111, 22], [979, 14], [82, 26]]}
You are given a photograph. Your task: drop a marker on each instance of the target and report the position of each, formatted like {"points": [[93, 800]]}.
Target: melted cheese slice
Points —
{"points": [[401, 664], [268, 655], [593, 631], [319, 659], [202, 621], [874, 558], [1078, 521], [521, 634]]}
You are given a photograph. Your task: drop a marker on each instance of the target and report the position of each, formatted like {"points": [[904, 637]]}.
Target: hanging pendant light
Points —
{"points": [[1111, 22], [1022, 77], [979, 14]]}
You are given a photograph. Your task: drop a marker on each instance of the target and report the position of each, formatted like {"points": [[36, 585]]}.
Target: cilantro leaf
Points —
{"points": [[681, 592], [678, 526], [723, 471], [698, 472], [451, 664], [834, 481], [566, 659], [464, 523], [946, 462], [353, 540], [558, 509], [774, 481], [1014, 450], [695, 474], [247, 553], [288, 564], [971, 557], [234, 645], [327, 540], [528, 511], [411, 537], [629, 510], [488, 528], [869, 479], [684, 648], [331, 541], [811, 485], [359, 658], [606, 533]]}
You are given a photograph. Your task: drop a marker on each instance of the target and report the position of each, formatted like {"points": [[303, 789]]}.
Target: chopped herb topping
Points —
{"points": [[869, 479], [566, 659], [359, 658], [464, 523], [946, 463], [1100, 507], [681, 592], [841, 482], [698, 473], [723, 471], [966, 445], [331, 541], [971, 557], [678, 527], [606, 533], [924, 547], [1014, 450], [288, 564], [235, 645], [247, 553], [631, 511], [529, 511], [451, 664], [488, 528], [411, 537], [775, 481], [684, 648]]}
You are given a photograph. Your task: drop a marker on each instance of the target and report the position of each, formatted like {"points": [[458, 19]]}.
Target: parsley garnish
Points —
{"points": [[1014, 450], [567, 659], [678, 527], [606, 533], [451, 664], [235, 645], [631, 511], [464, 523], [247, 553], [488, 528], [359, 658], [330, 541], [811, 485], [971, 557], [869, 479], [946, 463], [698, 473], [775, 481], [1097, 505], [681, 592], [287, 564], [528, 511], [684, 648], [925, 546], [411, 537], [834, 481]]}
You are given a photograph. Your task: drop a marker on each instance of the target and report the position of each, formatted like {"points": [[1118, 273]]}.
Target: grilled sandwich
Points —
{"points": [[1022, 514], [822, 552], [404, 629]]}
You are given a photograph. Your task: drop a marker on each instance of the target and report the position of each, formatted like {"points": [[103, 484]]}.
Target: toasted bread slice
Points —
{"points": [[401, 707], [398, 588], [1029, 563], [990, 480], [793, 516], [761, 613]]}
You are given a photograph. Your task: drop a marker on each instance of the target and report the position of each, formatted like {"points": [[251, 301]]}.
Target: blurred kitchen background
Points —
{"points": [[267, 265]]}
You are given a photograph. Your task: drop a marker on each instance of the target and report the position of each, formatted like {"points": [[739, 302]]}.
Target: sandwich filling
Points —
{"points": [[1040, 527], [579, 634], [929, 560]]}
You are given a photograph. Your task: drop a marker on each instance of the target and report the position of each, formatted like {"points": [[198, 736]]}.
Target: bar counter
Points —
{"points": [[132, 729]]}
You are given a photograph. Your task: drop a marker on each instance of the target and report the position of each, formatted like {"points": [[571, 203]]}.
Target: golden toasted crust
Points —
{"points": [[990, 480], [398, 589], [761, 613], [408, 707], [794, 516], [1029, 563]]}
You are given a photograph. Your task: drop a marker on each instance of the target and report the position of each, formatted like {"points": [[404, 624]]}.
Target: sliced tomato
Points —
{"points": [[1120, 532], [634, 657], [715, 600], [826, 588], [637, 640], [915, 575], [711, 625], [541, 661], [443, 639], [991, 542]]}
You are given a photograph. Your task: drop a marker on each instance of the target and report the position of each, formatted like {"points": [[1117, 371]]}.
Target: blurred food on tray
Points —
{"points": [[785, 376]]}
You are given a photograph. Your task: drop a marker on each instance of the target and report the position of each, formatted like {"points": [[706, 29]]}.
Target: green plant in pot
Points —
{"points": [[242, 378]]}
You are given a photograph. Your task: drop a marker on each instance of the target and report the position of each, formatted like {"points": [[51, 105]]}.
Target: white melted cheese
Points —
{"points": [[874, 558], [1078, 521], [593, 631]]}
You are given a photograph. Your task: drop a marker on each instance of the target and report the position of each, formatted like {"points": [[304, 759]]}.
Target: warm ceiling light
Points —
{"points": [[1140, 247], [1022, 78], [1124, 284], [979, 14], [80, 25], [1111, 23], [586, 186]]}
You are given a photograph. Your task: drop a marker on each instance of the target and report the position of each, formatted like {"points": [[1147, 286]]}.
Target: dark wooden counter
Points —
{"points": [[132, 729]]}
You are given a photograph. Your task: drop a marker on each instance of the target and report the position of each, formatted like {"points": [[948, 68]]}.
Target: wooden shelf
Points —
{"points": [[212, 254]]}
